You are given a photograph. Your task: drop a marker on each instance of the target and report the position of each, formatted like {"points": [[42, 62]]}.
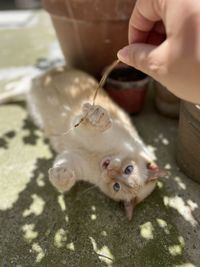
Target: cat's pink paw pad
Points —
{"points": [[98, 117], [86, 108], [61, 178]]}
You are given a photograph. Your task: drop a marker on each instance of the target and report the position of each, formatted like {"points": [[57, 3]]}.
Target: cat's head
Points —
{"points": [[124, 178]]}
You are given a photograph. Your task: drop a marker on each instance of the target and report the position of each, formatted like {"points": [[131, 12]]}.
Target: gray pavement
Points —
{"points": [[40, 227]]}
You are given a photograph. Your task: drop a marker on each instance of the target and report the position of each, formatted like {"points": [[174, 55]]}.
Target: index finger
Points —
{"points": [[144, 16]]}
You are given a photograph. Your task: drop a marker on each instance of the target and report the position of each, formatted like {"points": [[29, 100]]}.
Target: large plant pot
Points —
{"points": [[127, 87], [90, 32], [188, 152]]}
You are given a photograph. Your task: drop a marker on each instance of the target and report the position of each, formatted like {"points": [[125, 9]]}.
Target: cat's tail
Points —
{"points": [[15, 90]]}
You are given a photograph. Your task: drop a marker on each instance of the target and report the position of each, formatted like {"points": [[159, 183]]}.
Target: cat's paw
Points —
{"points": [[97, 116], [62, 178]]}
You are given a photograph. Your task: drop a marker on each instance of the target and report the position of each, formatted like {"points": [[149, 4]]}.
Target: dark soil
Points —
{"points": [[127, 74]]}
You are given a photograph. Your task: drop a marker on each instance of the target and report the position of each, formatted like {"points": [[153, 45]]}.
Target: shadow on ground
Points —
{"points": [[85, 228]]}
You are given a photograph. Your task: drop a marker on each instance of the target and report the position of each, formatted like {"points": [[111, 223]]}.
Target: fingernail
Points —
{"points": [[123, 54]]}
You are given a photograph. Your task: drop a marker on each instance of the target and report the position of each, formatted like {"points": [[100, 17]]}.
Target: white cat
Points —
{"points": [[104, 149]]}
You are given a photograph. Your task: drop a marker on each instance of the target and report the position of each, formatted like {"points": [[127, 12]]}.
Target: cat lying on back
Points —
{"points": [[104, 149]]}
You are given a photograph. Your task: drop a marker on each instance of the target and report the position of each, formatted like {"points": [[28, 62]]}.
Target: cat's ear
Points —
{"points": [[129, 208], [154, 172]]}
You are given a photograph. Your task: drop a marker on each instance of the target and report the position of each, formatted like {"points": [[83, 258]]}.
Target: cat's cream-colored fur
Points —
{"points": [[100, 148]]}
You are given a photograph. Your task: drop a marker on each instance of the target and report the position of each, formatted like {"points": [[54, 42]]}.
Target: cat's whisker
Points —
{"points": [[61, 134], [104, 77], [87, 190], [66, 133]]}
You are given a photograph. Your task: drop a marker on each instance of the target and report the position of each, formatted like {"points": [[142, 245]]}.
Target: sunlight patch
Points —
{"points": [[128, 146], [67, 218], [61, 202], [146, 230], [178, 204], [152, 150], [168, 166], [103, 233], [19, 162], [36, 206], [181, 241], [163, 224], [104, 253], [165, 141], [40, 253], [175, 250], [60, 238], [160, 184], [70, 246], [180, 183], [93, 208], [192, 204], [40, 180], [93, 217], [29, 233]]}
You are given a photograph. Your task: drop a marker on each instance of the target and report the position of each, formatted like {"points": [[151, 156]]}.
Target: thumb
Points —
{"points": [[147, 58]]}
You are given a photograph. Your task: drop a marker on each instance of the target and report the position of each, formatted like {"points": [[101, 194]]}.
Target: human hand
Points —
{"points": [[164, 42]]}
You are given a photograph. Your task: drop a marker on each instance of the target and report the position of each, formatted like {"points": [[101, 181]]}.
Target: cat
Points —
{"points": [[105, 149]]}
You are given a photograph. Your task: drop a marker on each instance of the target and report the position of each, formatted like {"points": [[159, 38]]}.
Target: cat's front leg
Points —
{"points": [[63, 175], [96, 116], [95, 128]]}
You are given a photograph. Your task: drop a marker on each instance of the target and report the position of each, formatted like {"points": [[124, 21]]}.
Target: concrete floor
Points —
{"points": [[40, 227]]}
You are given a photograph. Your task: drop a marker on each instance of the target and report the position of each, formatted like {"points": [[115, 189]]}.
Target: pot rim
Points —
{"points": [[131, 85], [103, 10]]}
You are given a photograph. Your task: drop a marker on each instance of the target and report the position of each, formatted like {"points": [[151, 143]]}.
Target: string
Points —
{"points": [[104, 78], [99, 86]]}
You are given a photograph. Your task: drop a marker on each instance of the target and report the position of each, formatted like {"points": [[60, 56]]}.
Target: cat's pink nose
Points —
{"points": [[114, 164]]}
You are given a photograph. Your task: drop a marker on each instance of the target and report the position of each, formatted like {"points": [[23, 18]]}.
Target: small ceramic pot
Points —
{"points": [[166, 103], [127, 87], [188, 152]]}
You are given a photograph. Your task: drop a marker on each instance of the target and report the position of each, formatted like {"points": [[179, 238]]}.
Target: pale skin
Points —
{"points": [[164, 42]]}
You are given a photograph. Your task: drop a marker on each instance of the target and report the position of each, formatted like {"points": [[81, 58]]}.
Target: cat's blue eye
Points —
{"points": [[128, 170], [116, 187]]}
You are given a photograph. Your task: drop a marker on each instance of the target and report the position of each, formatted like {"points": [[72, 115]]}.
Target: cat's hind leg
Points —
{"points": [[64, 173]]}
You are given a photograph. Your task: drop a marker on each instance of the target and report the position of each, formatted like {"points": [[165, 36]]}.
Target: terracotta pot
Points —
{"points": [[166, 102], [127, 87], [90, 32], [188, 152]]}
